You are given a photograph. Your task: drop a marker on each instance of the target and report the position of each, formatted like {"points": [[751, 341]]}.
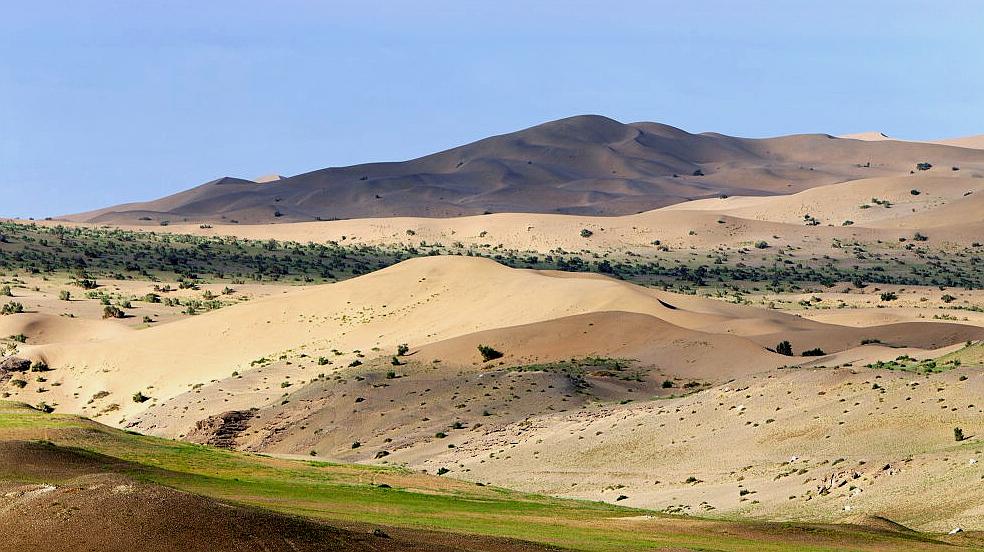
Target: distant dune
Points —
{"points": [[588, 165], [970, 142]]}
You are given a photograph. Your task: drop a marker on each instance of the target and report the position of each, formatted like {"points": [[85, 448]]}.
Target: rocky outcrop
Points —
{"points": [[222, 429]]}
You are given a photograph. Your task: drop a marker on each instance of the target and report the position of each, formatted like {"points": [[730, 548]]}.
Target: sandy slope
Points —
{"points": [[801, 443], [419, 301]]}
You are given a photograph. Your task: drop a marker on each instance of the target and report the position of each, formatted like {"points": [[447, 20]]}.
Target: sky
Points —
{"points": [[104, 102]]}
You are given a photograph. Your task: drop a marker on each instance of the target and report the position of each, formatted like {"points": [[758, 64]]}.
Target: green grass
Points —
{"points": [[352, 493]]}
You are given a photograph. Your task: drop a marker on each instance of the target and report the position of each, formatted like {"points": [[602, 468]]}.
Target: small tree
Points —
{"points": [[784, 348], [488, 353], [958, 434]]}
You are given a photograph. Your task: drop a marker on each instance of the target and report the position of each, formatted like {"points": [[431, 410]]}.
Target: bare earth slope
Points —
{"points": [[828, 444], [580, 165]]}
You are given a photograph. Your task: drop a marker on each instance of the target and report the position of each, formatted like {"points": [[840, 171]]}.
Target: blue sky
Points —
{"points": [[103, 101]]}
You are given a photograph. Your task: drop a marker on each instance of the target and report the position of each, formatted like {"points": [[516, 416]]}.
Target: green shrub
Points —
{"points": [[139, 397], [958, 434], [12, 307], [488, 353], [817, 351], [784, 348]]}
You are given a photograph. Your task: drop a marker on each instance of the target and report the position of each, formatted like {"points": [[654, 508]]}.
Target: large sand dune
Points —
{"points": [[588, 165]]}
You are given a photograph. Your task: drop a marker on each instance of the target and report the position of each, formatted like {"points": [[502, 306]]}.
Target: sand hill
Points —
{"points": [[588, 165], [246, 356]]}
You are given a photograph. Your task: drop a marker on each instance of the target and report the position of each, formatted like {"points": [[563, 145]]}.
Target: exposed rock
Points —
{"points": [[222, 429], [11, 365]]}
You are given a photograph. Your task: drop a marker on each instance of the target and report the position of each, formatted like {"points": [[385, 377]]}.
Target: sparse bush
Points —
{"points": [[442, 471], [919, 237], [667, 384], [5, 291], [958, 434], [112, 311], [585, 233], [923, 166], [65, 295], [18, 383], [39, 366], [488, 353], [12, 307], [139, 397], [784, 348], [761, 244], [402, 349], [889, 296], [817, 351]]}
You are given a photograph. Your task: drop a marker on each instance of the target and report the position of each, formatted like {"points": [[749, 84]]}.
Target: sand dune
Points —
{"points": [[587, 165], [972, 142], [42, 328], [419, 301]]}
